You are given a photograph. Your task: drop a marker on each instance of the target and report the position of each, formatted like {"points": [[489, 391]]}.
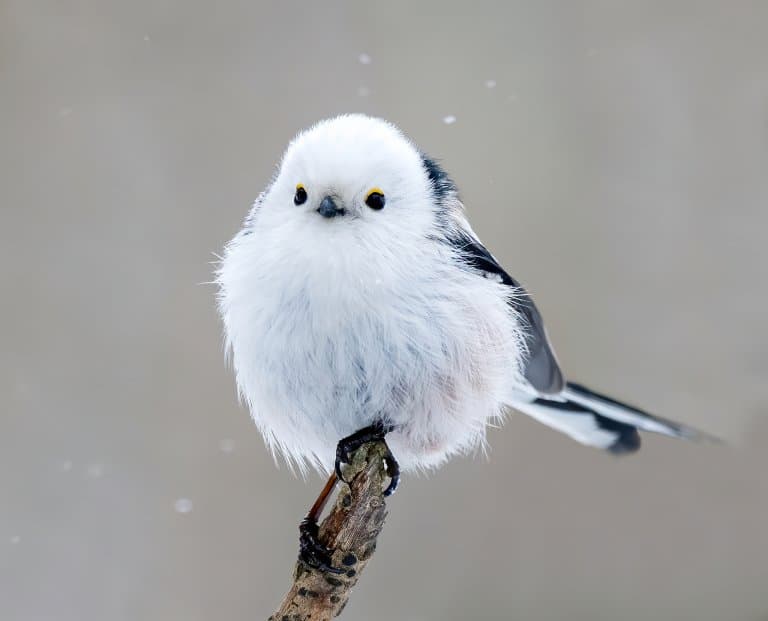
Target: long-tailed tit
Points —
{"points": [[357, 302]]}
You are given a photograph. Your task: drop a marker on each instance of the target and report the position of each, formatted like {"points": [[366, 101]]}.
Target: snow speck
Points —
{"points": [[183, 505], [95, 471], [363, 91], [592, 52], [227, 445], [364, 59], [64, 112], [490, 84], [146, 38], [15, 539], [66, 466], [449, 119]]}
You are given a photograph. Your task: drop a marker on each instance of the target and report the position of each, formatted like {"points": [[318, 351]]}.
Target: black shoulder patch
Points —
{"points": [[442, 184]]}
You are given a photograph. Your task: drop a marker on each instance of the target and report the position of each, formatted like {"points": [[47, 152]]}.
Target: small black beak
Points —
{"points": [[328, 208]]}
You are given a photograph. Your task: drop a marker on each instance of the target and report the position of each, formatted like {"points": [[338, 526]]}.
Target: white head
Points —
{"points": [[350, 176]]}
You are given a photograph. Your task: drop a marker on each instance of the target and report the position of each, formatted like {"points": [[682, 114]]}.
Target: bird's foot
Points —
{"points": [[375, 432], [311, 550]]}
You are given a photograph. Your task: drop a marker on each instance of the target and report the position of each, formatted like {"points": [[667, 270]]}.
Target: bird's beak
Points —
{"points": [[329, 209]]}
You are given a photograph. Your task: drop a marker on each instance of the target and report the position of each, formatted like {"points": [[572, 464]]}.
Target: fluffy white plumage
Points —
{"points": [[335, 323]]}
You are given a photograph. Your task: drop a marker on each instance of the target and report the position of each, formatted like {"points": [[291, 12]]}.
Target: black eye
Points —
{"points": [[375, 200], [301, 195]]}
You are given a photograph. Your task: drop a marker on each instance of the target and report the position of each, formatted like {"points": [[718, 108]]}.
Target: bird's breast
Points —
{"points": [[330, 345]]}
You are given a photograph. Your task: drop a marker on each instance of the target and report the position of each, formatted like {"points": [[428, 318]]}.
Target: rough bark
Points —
{"points": [[350, 530]]}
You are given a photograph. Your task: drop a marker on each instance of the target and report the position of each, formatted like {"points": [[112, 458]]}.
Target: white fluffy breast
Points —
{"points": [[329, 332]]}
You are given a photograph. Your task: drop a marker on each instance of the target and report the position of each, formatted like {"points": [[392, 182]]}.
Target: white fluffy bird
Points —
{"points": [[357, 302]]}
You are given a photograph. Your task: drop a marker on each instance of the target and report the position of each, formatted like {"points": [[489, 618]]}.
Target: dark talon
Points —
{"points": [[350, 444], [393, 470], [311, 550], [342, 457]]}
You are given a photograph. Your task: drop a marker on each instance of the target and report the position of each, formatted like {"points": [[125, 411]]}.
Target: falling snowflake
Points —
{"points": [[183, 505], [490, 84], [15, 539], [227, 445], [449, 120], [363, 91], [364, 59]]}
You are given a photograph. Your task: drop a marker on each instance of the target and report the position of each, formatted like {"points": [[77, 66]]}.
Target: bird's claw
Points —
{"points": [[393, 471], [311, 549], [350, 444]]}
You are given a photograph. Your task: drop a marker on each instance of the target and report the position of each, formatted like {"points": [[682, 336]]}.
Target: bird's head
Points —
{"points": [[348, 175]]}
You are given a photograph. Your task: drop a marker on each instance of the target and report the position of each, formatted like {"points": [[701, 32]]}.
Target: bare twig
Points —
{"points": [[350, 530]]}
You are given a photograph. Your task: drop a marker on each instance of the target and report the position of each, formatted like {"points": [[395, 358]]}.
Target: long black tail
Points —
{"points": [[600, 421]]}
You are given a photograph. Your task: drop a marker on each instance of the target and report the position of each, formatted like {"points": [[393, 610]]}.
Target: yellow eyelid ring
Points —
{"points": [[373, 191], [300, 186]]}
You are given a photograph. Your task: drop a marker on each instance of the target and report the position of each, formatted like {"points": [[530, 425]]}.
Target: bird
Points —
{"points": [[359, 304]]}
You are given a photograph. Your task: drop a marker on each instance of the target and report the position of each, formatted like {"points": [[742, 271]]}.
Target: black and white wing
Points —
{"points": [[541, 368]]}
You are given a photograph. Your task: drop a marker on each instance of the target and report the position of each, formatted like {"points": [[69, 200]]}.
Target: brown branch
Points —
{"points": [[350, 530]]}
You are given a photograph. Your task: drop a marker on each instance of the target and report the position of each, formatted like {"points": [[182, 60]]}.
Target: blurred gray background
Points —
{"points": [[612, 154]]}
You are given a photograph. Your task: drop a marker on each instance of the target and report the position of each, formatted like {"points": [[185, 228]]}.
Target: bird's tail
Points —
{"points": [[596, 420]]}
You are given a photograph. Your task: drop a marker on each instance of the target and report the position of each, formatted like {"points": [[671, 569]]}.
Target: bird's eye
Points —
{"points": [[375, 199], [301, 195]]}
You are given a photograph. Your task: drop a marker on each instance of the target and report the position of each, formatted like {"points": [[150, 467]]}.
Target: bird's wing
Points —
{"points": [[541, 368]]}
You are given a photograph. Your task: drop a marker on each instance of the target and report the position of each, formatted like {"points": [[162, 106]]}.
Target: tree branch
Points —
{"points": [[350, 531]]}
